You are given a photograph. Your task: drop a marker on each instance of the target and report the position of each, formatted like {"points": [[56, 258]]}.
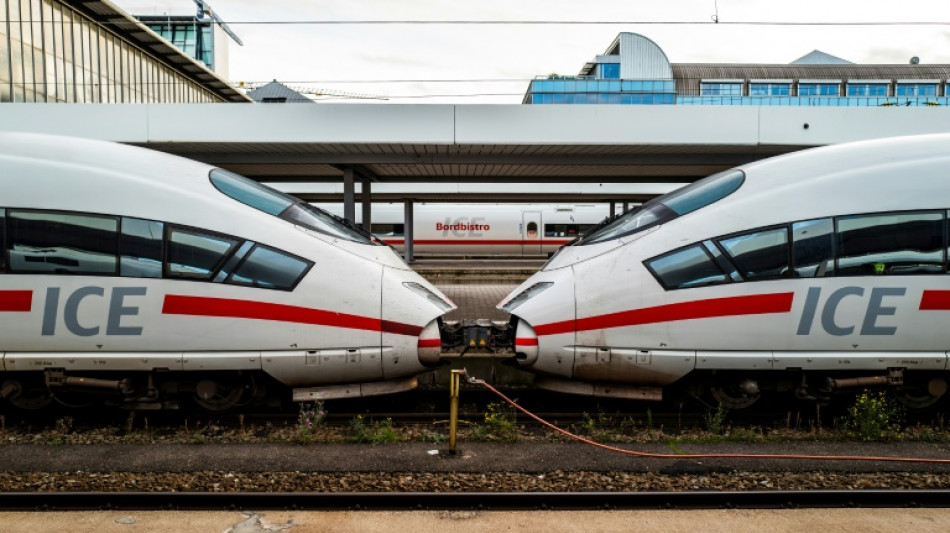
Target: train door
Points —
{"points": [[531, 233]]}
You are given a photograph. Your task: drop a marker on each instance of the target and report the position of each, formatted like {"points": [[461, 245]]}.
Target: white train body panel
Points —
{"points": [[347, 317], [867, 311], [482, 229]]}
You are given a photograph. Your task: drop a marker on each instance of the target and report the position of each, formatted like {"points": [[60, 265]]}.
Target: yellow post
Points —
{"points": [[455, 381]]}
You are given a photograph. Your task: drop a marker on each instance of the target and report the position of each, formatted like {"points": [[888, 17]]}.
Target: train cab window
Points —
{"points": [[140, 248], [813, 248], [761, 254], [686, 268], [891, 243], [50, 242], [273, 202], [669, 206], [270, 269], [196, 255]]}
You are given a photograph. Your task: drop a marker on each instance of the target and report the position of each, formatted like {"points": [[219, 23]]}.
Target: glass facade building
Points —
{"points": [[634, 70], [188, 34], [90, 52]]}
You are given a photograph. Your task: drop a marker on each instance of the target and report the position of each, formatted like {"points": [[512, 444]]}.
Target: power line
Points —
{"points": [[539, 22], [585, 22]]}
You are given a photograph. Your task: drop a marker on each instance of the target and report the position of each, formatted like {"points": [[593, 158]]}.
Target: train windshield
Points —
{"points": [[273, 202], [667, 207]]}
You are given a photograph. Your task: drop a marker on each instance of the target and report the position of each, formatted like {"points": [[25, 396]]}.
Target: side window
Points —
{"points": [[761, 254], [49, 242], [891, 243], [689, 267], [532, 230], [565, 230], [388, 230], [140, 248], [813, 248], [195, 255], [270, 269]]}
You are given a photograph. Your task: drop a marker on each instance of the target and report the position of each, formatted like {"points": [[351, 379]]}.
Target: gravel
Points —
{"points": [[553, 481], [275, 458]]}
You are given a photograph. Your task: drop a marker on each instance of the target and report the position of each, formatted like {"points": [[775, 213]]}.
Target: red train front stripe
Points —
{"points": [[16, 301], [430, 343], [757, 304], [232, 308]]}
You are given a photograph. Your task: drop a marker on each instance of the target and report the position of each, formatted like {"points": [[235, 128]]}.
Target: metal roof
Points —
{"points": [[456, 153], [117, 20], [277, 92]]}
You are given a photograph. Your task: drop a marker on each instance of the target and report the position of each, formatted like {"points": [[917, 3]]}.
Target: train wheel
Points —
{"points": [[26, 394], [923, 394], [221, 394], [736, 395]]}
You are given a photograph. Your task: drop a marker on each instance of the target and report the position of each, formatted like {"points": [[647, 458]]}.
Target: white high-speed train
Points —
{"points": [[807, 273], [472, 229], [148, 278]]}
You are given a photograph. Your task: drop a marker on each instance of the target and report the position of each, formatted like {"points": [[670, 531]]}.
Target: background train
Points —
{"points": [[144, 279], [809, 273], [472, 229]]}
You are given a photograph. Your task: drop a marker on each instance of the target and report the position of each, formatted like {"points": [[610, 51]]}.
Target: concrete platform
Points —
{"points": [[477, 300], [463, 521], [469, 270]]}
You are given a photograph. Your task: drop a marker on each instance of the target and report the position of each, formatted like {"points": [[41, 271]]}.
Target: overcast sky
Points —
{"points": [[317, 55]]}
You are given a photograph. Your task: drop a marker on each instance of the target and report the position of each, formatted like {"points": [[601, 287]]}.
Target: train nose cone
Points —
{"points": [[526, 344], [410, 315], [430, 345]]}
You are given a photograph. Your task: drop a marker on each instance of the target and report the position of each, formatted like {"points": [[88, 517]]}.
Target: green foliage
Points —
{"points": [[375, 433], [311, 415], [428, 435], [873, 417], [716, 419], [499, 424]]}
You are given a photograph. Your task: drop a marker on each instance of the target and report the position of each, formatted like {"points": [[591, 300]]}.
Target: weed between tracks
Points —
{"points": [[873, 416]]}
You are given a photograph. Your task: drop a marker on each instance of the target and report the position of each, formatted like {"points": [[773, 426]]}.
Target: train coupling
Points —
{"points": [[476, 334]]}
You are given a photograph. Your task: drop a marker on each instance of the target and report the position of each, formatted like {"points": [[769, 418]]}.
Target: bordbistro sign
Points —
{"points": [[463, 227]]}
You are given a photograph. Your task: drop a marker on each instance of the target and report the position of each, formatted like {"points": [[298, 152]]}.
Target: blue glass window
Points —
{"points": [[769, 89], [715, 88], [867, 89], [916, 89], [610, 71], [817, 89]]}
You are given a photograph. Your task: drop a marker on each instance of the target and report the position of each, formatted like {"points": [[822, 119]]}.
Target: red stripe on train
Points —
{"points": [[935, 301], [757, 304], [526, 342], [430, 343], [16, 301], [232, 308], [474, 242]]}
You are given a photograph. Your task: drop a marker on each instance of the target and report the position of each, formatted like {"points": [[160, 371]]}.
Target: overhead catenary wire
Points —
{"points": [[587, 22], [314, 22]]}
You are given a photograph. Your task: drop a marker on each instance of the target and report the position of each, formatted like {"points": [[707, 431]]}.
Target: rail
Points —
{"points": [[494, 501]]}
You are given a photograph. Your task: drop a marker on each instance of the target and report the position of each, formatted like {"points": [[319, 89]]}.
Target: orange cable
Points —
{"points": [[704, 455]]}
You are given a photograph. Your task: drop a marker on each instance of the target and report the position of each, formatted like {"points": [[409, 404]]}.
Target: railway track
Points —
{"points": [[486, 501]]}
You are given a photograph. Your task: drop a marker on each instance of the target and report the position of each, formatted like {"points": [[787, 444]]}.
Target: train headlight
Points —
{"points": [[421, 290], [526, 295]]}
